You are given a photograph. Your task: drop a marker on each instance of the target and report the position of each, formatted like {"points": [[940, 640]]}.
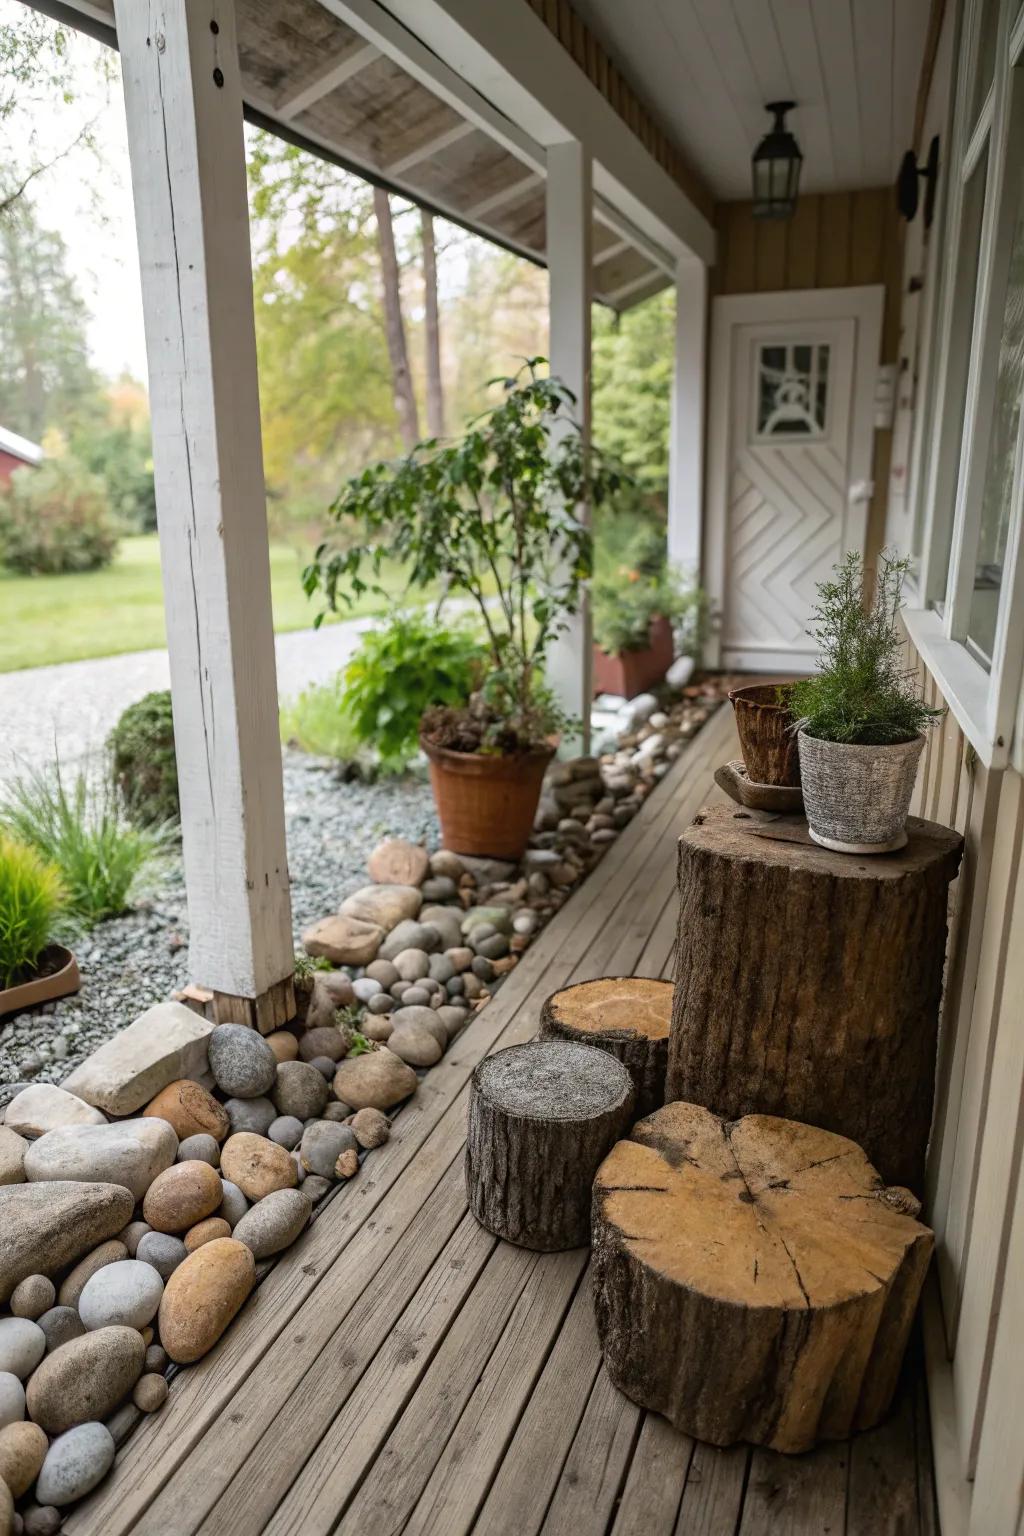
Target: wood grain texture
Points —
{"points": [[627, 1016]]}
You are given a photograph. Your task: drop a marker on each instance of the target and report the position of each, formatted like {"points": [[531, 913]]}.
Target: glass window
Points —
{"points": [[792, 389]]}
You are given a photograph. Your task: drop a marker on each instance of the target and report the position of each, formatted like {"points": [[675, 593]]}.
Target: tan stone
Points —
{"points": [[73, 1284], [6, 1510], [396, 861], [376, 1080], [190, 1109], [181, 1196], [42, 1107], [150, 1392], [284, 1045], [166, 1043], [206, 1231], [343, 940], [22, 1448], [12, 1156], [203, 1295], [257, 1165], [385, 905], [86, 1378]]}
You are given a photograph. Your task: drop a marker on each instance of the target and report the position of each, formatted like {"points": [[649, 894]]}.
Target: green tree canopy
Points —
{"points": [[633, 356]]}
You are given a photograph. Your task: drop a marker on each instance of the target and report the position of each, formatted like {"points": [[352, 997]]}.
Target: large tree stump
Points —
{"points": [[541, 1118], [753, 1279], [628, 1016], [808, 983]]}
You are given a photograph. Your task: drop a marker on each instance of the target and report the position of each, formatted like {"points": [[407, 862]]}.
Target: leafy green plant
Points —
{"points": [[142, 760], [31, 903], [861, 693], [55, 518], [360, 1045], [103, 859], [634, 584], [397, 673], [307, 966], [319, 721], [492, 515]]}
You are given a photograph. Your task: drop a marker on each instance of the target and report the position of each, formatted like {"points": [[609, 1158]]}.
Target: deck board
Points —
{"points": [[403, 1371]]}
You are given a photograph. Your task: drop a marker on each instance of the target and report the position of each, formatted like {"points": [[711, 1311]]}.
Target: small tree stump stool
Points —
{"points": [[753, 1280], [808, 983], [541, 1118], [628, 1016]]}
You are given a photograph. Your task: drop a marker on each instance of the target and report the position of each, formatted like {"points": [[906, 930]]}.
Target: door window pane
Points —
{"points": [[792, 389]]}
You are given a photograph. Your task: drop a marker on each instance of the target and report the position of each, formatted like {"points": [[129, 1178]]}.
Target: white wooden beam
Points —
{"points": [[643, 280], [183, 104], [686, 427], [349, 63], [427, 147], [506, 195], [612, 219], [569, 235], [609, 251]]}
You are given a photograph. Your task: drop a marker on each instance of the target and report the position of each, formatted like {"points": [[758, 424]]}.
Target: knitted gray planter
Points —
{"points": [[857, 797]]}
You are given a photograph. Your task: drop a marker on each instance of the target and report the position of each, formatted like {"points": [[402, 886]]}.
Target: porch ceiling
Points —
{"points": [[708, 66]]}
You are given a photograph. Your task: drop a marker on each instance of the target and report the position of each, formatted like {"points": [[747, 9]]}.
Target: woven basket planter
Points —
{"points": [[857, 797]]}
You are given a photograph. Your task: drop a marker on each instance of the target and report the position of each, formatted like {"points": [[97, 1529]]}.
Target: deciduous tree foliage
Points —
{"points": [[633, 358]]}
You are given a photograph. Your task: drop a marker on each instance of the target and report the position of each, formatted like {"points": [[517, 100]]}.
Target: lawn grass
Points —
{"points": [[45, 619]]}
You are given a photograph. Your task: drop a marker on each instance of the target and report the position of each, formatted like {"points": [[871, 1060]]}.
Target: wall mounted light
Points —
{"points": [[776, 166], [907, 191]]}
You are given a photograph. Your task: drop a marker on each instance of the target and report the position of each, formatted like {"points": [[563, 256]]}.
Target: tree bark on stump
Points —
{"points": [[541, 1118], [628, 1016], [753, 1280], [808, 983]]}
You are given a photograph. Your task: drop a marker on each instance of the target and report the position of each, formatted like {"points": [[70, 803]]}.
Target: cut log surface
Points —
{"points": [[541, 1118], [628, 1016], [808, 983], [752, 1280]]}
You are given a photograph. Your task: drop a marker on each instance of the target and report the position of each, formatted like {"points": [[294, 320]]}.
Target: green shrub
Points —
{"points": [[102, 857], [31, 902], [861, 693], [633, 583], [142, 761], [55, 518], [398, 672], [318, 722]]}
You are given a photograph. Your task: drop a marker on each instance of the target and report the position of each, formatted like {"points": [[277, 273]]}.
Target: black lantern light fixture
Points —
{"points": [[776, 166]]}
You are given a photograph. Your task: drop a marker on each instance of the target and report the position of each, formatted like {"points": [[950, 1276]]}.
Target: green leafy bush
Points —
{"points": [[120, 453], [103, 859], [31, 902], [142, 761], [55, 518], [861, 693], [398, 672], [318, 721], [634, 584]]}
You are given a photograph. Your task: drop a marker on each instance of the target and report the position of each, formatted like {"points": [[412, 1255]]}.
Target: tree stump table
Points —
{"points": [[754, 1279], [541, 1118], [628, 1016], [808, 983]]}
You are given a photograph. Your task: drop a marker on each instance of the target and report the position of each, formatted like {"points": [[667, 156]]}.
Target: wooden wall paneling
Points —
{"points": [[867, 234], [834, 241], [770, 254], [802, 244], [947, 782], [736, 273]]}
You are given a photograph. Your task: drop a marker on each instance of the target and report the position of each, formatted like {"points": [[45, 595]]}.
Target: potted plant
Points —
{"points": [[861, 719], [33, 968], [491, 515], [764, 724]]}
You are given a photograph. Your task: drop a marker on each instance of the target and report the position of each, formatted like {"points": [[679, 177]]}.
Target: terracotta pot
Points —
{"points": [[486, 805], [768, 743], [627, 673], [57, 977]]}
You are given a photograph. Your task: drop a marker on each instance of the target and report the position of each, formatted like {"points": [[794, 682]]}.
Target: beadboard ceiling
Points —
{"points": [[708, 66]]}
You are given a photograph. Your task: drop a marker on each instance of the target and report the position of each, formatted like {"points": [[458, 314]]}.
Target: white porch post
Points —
{"points": [[184, 110], [686, 430], [569, 222]]}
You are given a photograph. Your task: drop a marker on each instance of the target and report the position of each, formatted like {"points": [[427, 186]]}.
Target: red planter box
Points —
{"points": [[631, 672]]}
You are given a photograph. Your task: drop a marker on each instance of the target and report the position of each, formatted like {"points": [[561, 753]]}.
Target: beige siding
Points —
{"points": [[975, 1192]]}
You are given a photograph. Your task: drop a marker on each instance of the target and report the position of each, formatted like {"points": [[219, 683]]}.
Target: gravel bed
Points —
{"points": [[131, 962]]}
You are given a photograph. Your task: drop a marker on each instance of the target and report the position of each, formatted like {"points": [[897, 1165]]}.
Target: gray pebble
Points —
{"points": [[234, 1205], [286, 1131], [416, 997], [200, 1149], [365, 988], [60, 1325], [254, 1115], [494, 948], [74, 1464], [382, 1003], [483, 969], [162, 1252]]}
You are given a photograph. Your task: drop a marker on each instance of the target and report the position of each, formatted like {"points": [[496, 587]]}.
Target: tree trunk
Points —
{"points": [[628, 1016], [753, 1280], [405, 399], [432, 329], [541, 1118], [808, 983]]}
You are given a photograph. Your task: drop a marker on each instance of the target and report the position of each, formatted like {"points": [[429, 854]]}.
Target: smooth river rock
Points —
{"points": [[130, 1152], [61, 1324], [242, 1063], [181, 1196], [327, 1040], [371, 1128], [201, 1148], [164, 1044], [86, 1378], [258, 1166], [274, 1223], [233, 1205], [126, 1293], [256, 1115], [74, 1464], [323, 1142], [74, 1283], [203, 1295], [33, 1296], [300, 1090], [12, 1156], [44, 1227], [385, 905], [415, 1044], [41, 1107], [376, 1080], [163, 1251], [22, 1346], [22, 1449], [191, 1109], [205, 1231], [343, 940], [12, 1399], [396, 861]]}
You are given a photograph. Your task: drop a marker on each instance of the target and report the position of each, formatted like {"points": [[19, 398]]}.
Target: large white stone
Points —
{"points": [[126, 1293], [130, 1152], [43, 1107], [165, 1043]]}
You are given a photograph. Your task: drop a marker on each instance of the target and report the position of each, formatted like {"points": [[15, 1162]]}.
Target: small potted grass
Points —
{"points": [[861, 720], [34, 968]]}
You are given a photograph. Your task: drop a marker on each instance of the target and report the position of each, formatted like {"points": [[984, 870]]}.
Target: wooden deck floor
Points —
{"points": [[403, 1371]]}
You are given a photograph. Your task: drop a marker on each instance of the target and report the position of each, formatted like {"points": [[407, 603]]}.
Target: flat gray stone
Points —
{"points": [[163, 1045], [75, 1464], [162, 1252], [323, 1142], [129, 1152], [274, 1222], [409, 935], [242, 1063], [45, 1227], [42, 1107]]}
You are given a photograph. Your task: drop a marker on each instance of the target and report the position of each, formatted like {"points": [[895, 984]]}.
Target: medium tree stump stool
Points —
{"points": [[753, 1279], [808, 983], [541, 1118], [628, 1016]]}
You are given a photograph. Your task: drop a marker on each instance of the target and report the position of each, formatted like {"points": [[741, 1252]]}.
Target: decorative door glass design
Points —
{"points": [[792, 389]]}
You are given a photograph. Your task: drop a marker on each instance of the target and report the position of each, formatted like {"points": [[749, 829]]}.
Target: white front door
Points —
{"points": [[792, 407]]}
